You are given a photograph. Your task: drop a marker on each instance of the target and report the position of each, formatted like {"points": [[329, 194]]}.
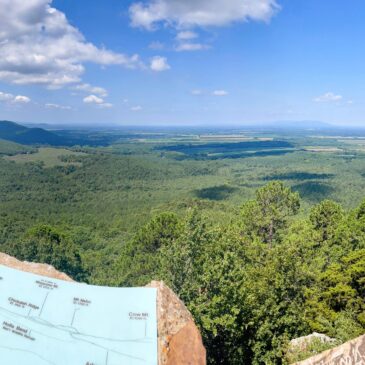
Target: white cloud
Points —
{"points": [[6, 97], [21, 99], [57, 106], [91, 89], [39, 46], [220, 93], [328, 97], [159, 64], [186, 35], [201, 13], [18, 99], [93, 99], [136, 108], [196, 92], [185, 42], [191, 47]]}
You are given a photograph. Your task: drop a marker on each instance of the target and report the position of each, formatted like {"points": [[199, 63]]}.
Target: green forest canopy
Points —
{"points": [[256, 263], [267, 276]]}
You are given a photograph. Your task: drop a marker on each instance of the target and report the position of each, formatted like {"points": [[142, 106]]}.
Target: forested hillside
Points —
{"points": [[262, 248], [252, 284], [17, 133]]}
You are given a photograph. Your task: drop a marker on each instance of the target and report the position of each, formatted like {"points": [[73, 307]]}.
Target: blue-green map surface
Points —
{"points": [[52, 322]]}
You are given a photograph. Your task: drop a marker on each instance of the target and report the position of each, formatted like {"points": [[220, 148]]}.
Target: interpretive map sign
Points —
{"points": [[52, 322]]}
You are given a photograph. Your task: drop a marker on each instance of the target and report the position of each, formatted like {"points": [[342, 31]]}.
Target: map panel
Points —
{"points": [[52, 322]]}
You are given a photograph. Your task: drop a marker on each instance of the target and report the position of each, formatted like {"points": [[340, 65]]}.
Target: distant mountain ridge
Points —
{"points": [[35, 135], [14, 132]]}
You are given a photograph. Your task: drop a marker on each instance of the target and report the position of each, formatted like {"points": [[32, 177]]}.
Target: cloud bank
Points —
{"points": [[199, 13], [15, 99], [39, 46], [91, 89]]}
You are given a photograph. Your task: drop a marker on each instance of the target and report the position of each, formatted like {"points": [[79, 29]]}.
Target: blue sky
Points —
{"points": [[182, 62]]}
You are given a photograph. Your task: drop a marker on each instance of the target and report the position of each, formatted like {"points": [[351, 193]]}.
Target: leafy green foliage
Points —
{"points": [[45, 244], [256, 265], [325, 218], [263, 279], [265, 216], [314, 347], [336, 303], [138, 263]]}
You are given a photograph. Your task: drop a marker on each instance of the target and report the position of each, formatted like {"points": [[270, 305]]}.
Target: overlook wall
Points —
{"points": [[350, 353]]}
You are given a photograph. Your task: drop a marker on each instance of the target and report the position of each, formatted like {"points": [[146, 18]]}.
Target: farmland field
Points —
{"points": [[48, 157]]}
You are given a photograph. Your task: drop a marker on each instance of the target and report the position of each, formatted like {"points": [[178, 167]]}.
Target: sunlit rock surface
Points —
{"points": [[180, 342], [39, 269]]}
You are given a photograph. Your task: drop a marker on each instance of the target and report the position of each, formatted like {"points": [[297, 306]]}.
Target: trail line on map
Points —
{"points": [[44, 302], [73, 317], [75, 334]]}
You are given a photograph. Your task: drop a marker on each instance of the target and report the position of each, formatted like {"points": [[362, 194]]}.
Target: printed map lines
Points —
{"points": [[49, 322], [74, 334]]}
